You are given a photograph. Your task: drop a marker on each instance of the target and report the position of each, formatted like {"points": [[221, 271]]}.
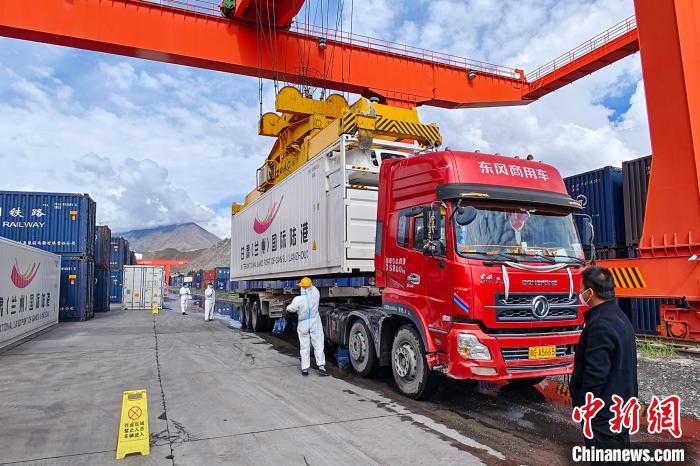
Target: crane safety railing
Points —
{"points": [[357, 40], [616, 31]]}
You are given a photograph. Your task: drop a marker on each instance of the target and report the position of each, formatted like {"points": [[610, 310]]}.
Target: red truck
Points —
{"points": [[474, 271]]}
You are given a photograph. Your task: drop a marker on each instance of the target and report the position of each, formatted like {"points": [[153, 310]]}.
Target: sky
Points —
{"points": [[158, 144]]}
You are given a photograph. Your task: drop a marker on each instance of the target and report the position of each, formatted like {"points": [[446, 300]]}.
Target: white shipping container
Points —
{"points": [[319, 220], [30, 283], [142, 286]]}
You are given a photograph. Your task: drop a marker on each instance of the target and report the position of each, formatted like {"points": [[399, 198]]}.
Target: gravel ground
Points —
{"points": [[679, 375]]}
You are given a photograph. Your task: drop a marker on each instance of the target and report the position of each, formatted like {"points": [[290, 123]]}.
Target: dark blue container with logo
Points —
{"points": [[77, 287], [115, 286], [103, 239], [197, 280], [602, 191], [101, 293], [222, 277], [55, 222], [117, 253]]}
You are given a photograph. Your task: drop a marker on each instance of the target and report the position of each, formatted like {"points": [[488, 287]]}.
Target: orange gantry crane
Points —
{"points": [[258, 38]]}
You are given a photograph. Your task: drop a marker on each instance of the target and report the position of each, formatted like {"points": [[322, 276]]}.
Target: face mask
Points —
{"points": [[585, 301]]}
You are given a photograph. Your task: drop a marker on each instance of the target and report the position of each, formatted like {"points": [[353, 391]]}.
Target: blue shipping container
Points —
{"points": [[117, 253], [77, 287], [54, 222], [644, 313], [103, 240], [101, 292], [602, 190], [127, 252], [115, 286], [197, 280]]}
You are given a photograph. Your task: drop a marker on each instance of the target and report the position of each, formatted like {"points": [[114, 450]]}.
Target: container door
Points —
{"points": [[361, 224]]}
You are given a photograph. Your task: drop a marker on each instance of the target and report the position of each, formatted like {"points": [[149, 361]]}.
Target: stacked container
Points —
{"points": [[197, 280], [117, 260], [644, 313], [635, 182], [222, 278], [208, 276], [103, 238], [601, 193], [115, 286], [62, 223]]}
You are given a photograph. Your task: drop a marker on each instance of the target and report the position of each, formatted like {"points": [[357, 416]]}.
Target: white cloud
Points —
{"points": [[189, 137]]}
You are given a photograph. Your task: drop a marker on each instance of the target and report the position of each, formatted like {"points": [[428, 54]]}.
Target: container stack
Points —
{"points": [[103, 238], [643, 312], [616, 201], [222, 278], [117, 259], [197, 280], [601, 193], [62, 223], [208, 276]]}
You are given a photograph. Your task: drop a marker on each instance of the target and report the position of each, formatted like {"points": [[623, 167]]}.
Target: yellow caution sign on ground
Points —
{"points": [[133, 434], [155, 308]]}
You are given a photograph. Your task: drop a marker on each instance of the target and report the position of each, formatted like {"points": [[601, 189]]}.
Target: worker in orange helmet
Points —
{"points": [[309, 326]]}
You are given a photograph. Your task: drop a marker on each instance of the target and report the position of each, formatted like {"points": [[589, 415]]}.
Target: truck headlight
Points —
{"points": [[470, 347]]}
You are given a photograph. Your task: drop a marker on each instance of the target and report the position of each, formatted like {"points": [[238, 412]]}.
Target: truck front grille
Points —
{"points": [[517, 308], [521, 354]]}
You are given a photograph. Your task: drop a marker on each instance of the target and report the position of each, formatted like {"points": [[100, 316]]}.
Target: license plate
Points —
{"points": [[542, 352]]}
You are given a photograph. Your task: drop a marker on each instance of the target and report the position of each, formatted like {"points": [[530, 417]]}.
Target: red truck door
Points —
{"points": [[435, 277]]}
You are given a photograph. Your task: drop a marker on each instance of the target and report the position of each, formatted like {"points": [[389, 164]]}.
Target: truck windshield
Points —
{"points": [[530, 234]]}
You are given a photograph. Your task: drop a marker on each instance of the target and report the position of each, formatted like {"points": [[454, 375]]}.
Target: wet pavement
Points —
{"points": [[220, 395], [534, 422]]}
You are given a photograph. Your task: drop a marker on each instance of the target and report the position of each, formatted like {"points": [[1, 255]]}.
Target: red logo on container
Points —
{"points": [[22, 280], [261, 226]]}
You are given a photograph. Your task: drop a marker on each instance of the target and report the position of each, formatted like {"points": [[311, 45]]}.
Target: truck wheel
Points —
{"points": [[408, 364], [248, 315], [241, 314], [526, 382], [257, 320], [361, 349]]}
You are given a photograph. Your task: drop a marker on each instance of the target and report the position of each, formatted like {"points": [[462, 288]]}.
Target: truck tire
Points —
{"points": [[361, 349], [248, 315], [241, 314], [257, 320], [408, 364]]}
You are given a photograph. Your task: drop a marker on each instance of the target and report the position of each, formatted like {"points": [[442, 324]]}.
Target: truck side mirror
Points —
{"points": [[587, 230], [465, 215]]}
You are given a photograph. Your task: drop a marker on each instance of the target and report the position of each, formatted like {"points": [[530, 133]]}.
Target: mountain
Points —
{"points": [[185, 237], [218, 255]]}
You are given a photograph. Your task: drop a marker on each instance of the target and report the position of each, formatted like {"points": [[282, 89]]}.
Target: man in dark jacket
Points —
{"points": [[606, 356]]}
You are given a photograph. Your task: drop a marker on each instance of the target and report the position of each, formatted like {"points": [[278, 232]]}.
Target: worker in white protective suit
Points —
{"points": [[185, 296], [209, 299], [309, 326]]}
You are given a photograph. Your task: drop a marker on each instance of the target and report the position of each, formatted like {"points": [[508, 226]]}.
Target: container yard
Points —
{"points": [[424, 258]]}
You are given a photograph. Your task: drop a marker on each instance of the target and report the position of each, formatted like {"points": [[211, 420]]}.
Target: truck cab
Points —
{"points": [[479, 262]]}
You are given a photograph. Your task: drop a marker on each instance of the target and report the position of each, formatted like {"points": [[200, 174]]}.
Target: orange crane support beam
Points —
{"points": [[670, 51], [608, 47], [136, 28]]}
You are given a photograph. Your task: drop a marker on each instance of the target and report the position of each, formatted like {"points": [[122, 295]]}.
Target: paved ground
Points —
{"points": [[215, 396], [219, 395]]}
